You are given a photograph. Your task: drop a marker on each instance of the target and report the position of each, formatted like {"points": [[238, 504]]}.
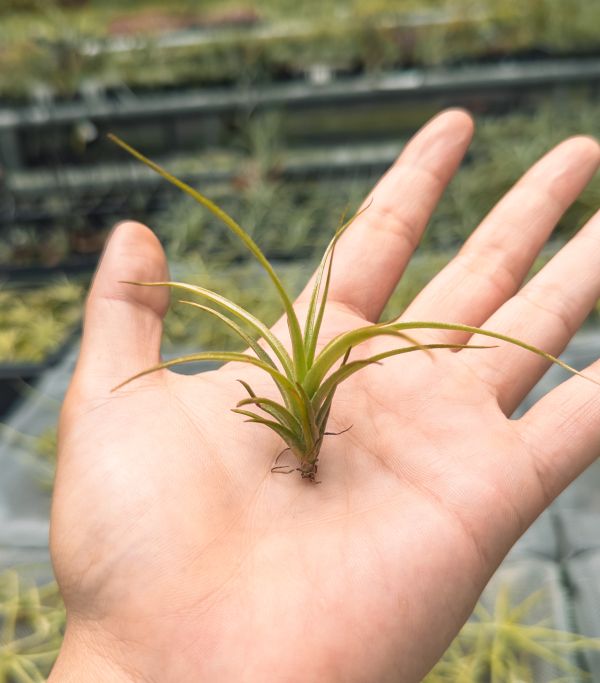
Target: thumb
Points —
{"points": [[123, 323]]}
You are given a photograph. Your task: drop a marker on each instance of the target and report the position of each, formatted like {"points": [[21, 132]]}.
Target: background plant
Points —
{"points": [[35, 321], [278, 38], [32, 623], [503, 644]]}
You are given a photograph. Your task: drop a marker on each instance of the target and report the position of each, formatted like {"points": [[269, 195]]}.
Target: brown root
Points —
{"points": [[338, 433]]}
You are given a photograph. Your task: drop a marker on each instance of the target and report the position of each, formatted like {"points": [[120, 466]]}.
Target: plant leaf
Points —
{"points": [[235, 309], [247, 387], [345, 371], [313, 326], [286, 434], [252, 343], [226, 356], [323, 411], [494, 335], [336, 348], [311, 434], [236, 228], [276, 410]]}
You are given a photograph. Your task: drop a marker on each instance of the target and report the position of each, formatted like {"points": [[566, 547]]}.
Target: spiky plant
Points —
{"points": [[32, 624], [506, 644], [307, 379]]}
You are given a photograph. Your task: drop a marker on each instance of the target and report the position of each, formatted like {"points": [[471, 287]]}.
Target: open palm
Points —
{"points": [[181, 557]]}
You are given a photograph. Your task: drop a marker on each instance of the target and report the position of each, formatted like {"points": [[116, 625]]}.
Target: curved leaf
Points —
{"points": [[226, 356], [286, 434], [234, 308], [276, 410], [337, 346], [252, 343], [345, 371], [312, 325], [236, 228]]}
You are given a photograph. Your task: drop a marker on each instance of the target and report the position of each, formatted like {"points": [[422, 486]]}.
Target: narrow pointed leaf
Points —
{"points": [[226, 356], [248, 388], [257, 348], [323, 411], [255, 417], [346, 371], [314, 298], [337, 346], [316, 308], [308, 415], [494, 335], [233, 225], [276, 410], [236, 310], [286, 434]]}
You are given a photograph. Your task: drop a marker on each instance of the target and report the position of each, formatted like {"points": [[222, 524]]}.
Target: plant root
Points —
{"points": [[285, 450], [307, 470], [338, 433], [283, 469]]}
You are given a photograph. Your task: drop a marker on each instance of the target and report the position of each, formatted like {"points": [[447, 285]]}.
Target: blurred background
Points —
{"points": [[285, 113]]}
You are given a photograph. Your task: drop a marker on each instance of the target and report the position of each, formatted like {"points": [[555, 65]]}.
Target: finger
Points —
{"points": [[496, 258], [372, 255], [562, 431], [123, 323], [545, 313]]}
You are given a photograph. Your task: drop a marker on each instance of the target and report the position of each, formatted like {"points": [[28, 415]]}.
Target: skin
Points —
{"points": [[181, 557]]}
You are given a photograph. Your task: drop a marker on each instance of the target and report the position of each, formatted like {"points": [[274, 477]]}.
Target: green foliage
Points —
{"points": [[288, 216], [34, 322], [306, 380], [32, 623], [289, 38], [503, 645]]}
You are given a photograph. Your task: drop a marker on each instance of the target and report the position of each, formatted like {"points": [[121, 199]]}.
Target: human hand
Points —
{"points": [[181, 557]]}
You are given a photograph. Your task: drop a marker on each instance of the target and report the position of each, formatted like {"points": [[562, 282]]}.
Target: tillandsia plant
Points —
{"points": [[32, 625], [306, 378], [507, 643]]}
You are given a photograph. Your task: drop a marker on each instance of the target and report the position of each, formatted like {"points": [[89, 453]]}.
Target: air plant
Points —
{"points": [[499, 645], [307, 379], [32, 623], [506, 644]]}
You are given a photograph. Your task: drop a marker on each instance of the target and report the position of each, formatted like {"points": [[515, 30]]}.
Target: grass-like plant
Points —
{"points": [[32, 624], [34, 322], [505, 644], [306, 377]]}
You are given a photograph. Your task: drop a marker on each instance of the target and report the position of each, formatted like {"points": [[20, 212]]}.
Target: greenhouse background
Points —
{"points": [[285, 113]]}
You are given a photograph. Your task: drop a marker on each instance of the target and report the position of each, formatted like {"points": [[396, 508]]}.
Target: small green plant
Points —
{"points": [[32, 623], [307, 379], [500, 645], [34, 322], [504, 645]]}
